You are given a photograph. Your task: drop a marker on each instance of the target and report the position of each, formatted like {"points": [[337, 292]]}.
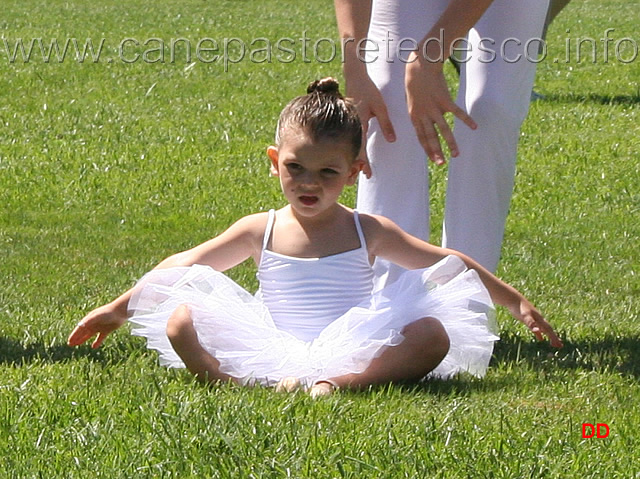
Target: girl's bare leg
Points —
{"points": [[184, 340], [425, 345]]}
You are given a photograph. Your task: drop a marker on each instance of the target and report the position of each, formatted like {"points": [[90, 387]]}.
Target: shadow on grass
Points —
{"points": [[617, 355], [14, 353], [627, 100], [608, 353]]}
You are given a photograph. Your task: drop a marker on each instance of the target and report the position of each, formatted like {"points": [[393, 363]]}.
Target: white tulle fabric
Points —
{"points": [[238, 330]]}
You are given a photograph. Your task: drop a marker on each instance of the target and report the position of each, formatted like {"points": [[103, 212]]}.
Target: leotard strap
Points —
{"points": [[268, 229], [356, 218]]}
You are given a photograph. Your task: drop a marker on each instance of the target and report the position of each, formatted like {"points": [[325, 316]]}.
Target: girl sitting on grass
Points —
{"points": [[315, 321]]}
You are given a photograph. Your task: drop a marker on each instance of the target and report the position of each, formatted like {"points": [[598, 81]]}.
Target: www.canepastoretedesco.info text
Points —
{"points": [[229, 51]]}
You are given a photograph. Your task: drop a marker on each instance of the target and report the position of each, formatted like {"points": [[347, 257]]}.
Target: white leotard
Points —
{"points": [[304, 295]]}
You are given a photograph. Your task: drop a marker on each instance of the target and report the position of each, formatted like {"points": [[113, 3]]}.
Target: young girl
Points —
{"points": [[315, 320]]}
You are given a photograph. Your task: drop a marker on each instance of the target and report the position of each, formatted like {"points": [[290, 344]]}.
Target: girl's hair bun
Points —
{"points": [[328, 85], [323, 113]]}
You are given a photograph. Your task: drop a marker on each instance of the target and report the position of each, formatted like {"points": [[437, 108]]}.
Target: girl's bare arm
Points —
{"points": [[387, 240], [241, 241]]}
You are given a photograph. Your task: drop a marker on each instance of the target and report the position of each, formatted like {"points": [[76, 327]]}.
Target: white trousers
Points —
{"points": [[495, 88]]}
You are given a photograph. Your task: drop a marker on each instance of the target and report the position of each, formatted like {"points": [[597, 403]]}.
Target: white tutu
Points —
{"points": [[237, 329]]}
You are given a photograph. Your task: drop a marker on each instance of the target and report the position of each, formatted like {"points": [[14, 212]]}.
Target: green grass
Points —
{"points": [[106, 168]]}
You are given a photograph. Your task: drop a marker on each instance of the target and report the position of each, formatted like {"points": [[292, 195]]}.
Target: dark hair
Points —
{"points": [[323, 113]]}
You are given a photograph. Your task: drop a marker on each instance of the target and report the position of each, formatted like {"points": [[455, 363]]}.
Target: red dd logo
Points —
{"points": [[600, 430]]}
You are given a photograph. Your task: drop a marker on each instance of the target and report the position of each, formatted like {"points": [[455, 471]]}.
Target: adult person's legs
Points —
{"points": [[399, 187], [495, 92]]}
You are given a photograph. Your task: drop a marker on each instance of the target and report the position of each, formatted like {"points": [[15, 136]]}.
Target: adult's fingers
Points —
{"points": [[366, 167], [386, 127], [429, 139], [464, 116]]}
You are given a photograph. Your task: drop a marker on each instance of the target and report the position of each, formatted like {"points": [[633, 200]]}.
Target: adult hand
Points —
{"points": [[370, 104], [101, 321], [428, 100]]}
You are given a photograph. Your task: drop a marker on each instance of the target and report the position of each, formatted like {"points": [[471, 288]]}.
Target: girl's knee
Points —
{"points": [[431, 334], [179, 320]]}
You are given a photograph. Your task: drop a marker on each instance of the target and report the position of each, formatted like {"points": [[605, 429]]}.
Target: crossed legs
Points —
{"points": [[425, 345]]}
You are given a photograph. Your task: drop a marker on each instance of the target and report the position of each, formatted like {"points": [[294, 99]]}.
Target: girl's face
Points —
{"points": [[312, 173]]}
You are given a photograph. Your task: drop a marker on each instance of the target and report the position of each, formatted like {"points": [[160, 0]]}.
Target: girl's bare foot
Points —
{"points": [[288, 385], [323, 388]]}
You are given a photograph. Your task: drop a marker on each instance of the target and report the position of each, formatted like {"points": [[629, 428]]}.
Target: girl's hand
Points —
{"points": [[428, 99], [532, 319], [369, 102], [101, 321]]}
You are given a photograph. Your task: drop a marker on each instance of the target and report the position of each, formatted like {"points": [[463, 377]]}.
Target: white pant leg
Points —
{"points": [[399, 186], [496, 94]]}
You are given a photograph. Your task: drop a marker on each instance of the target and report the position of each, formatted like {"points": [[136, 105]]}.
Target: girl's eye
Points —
{"points": [[329, 172], [294, 167]]}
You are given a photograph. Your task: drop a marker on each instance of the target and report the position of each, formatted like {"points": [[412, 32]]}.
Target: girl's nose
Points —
{"points": [[309, 178]]}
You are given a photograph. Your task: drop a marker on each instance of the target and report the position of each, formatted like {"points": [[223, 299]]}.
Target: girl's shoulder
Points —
{"points": [[377, 230], [249, 230], [254, 224], [375, 224]]}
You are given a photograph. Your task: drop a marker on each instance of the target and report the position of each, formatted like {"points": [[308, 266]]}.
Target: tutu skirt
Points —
{"points": [[237, 329]]}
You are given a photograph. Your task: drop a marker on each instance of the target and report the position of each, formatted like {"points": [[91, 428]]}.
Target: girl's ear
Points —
{"points": [[272, 153]]}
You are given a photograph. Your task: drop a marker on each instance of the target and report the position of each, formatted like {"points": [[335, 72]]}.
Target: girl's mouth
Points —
{"points": [[308, 200]]}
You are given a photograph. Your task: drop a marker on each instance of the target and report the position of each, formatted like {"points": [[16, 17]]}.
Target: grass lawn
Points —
{"points": [[110, 164]]}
